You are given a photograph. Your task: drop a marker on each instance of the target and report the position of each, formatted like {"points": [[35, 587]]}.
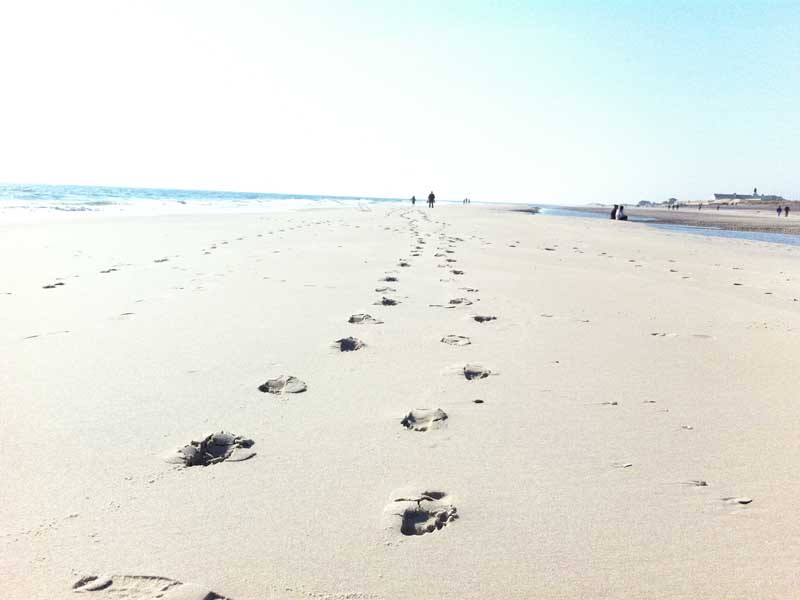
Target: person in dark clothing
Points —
{"points": [[413, 200], [779, 210], [431, 199], [785, 211], [621, 216], [614, 212]]}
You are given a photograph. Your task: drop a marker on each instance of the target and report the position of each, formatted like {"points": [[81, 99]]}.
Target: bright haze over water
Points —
{"points": [[513, 101]]}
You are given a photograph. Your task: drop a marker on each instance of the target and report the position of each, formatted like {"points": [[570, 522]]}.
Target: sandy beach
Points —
{"points": [[636, 435]]}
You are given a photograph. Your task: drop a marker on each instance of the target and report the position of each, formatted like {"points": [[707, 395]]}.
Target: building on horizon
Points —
{"points": [[738, 197]]}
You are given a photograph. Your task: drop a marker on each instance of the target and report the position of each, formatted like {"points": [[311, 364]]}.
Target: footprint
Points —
{"points": [[403, 263], [283, 385], [388, 301], [469, 289], [423, 419], [484, 318], [364, 318], [213, 449], [456, 340], [111, 270], [697, 483], [476, 371], [161, 260], [738, 500], [50, 286], [142, 587], [457, 272], [477, 401], [385, 289], [418, 513], [461, 301], [390, 278], [349, 344]]}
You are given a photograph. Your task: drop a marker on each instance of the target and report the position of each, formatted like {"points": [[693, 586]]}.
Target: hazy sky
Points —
{"points": [[517, 101]]}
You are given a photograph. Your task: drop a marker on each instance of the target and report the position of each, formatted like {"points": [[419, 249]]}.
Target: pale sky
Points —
{"points": [[563, 102]]}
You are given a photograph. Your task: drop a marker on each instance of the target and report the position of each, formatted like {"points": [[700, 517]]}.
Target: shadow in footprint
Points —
{"points": [[142, 587], [423, 419], [456, 340], [364, 318], [283, 385], [484, 318], [420, 513], [476, 371], [213, 449], [349, 344]]}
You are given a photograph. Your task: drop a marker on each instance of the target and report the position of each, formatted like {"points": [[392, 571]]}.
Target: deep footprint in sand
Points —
{"points": [[390, 278], [142, 587], [51, 286], [484, 318], [461, 301], [364, 318], [457, 272], [423, 419], [476, 371], [456, 340], [417, 513], [349, 344], [283, 385], [213, 449], [388, 301]]}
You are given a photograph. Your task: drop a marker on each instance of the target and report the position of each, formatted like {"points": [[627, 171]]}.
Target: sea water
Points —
{"points": [[756, 236], [83, 198]]}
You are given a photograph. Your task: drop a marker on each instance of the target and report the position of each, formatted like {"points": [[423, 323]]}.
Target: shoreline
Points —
{"points": [[731, 219]]}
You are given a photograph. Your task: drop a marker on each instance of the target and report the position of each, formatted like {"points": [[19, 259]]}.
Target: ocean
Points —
{"points": [[85, 198]]}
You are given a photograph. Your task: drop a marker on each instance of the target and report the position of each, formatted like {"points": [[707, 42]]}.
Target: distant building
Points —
{"points": [[756, 196]]}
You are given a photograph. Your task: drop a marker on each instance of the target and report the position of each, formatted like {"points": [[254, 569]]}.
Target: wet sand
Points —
{"points": [[762, 219]]}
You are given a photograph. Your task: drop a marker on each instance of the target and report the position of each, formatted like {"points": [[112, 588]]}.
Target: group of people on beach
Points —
{"points": [[618, 213], [431, 200], [784, 210]]}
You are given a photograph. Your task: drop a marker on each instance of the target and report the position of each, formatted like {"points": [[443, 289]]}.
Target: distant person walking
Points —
{"points": [[779, 211], [413, 200], [785, 211], [431, 199], [614, 212]]}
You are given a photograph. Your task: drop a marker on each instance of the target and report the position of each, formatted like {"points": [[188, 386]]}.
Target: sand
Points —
{"points": [[630, 432]]}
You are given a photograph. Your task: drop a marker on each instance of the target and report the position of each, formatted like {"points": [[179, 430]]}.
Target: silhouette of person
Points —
{"points": [[614, 211], [413, 200], [621, 216], [431, 199], [785, 211], [779, 211]]}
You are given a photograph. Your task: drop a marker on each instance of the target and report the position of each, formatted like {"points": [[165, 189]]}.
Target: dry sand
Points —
{"points": [[625, 363]]}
